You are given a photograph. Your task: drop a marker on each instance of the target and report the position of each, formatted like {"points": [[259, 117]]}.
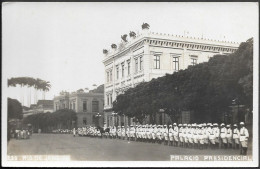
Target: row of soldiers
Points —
{"points": [[199, 136], [91, 131]]}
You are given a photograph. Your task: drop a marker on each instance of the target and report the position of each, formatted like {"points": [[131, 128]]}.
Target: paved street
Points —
{"points": [[94, 149]]}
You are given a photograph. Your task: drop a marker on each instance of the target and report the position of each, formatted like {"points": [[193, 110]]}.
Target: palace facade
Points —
{"points": [[151, 55], [88, 106]]}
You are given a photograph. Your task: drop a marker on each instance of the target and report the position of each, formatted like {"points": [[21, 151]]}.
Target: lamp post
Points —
{"points": [[162, 111], [236, 102]]}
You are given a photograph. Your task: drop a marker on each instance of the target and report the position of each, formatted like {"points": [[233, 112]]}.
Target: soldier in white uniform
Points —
{"points": [[171, 138], [189, 136], [137, 130], [235, 137], [217, 134], [212, 137], [159, 134], [244, 135], [123, 132], [144, 133], [166, 135], [185, 135], [175, 134], [149, 133], [223, 136], [154, 134], [207, 142], [201, 136], [119, 132], [181, 143], [195, 136], [229, 136], [132, 133], [128, 132]]}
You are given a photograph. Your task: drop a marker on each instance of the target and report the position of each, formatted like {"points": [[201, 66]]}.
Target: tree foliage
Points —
{"points": [[15, 110], [38, 84], [61, 119], [207, 89]]}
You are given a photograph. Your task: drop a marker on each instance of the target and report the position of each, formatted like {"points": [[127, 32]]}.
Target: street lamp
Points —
{"points": [[162, 111], [236, 102]]}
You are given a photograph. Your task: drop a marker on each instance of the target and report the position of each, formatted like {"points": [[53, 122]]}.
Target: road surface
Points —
{"points": [[95, 149]]}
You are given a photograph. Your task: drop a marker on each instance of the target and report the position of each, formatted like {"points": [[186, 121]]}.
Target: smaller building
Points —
{"points": [[42, 106], [88, 106]]}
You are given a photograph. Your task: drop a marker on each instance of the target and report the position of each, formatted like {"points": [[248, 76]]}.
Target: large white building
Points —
{"points": [[151, 55]]}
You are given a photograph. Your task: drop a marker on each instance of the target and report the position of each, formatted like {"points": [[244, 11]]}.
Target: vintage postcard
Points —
{"points": [[130, 84]]}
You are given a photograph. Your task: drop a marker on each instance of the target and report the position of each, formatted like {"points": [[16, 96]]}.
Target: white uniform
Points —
{"points": [[207, 135], [195, 135], [148, 133], [123, 131], [200, 136], [166, 134], [212, 136], [236, 135], [229, 135], [223, 134], [159, 133], [119, 132], [128, 132], [154, 134], [185, 135], [244, 135], [171, 137], [176, 133], [190, 135], [217, 133], [181, 134], [132, 132]]}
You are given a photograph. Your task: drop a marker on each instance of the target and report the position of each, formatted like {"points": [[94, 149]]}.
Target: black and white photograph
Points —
{"points": [[130, 84]]}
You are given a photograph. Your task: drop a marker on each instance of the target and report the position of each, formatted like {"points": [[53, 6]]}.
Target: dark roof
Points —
{"points": [[99, 89], [44, 102], [26, 108]]}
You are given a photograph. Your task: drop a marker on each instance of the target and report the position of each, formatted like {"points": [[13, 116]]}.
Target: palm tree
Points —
{"points": [[38, 84]]}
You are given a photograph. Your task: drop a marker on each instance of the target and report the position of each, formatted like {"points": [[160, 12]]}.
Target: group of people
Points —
{"points": [[200, 136], [90, 131], [62, 131], [20, 134]]}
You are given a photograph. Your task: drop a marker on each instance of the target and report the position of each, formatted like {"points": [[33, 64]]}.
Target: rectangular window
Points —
{"points": [[110, 75], [70, 105], [141, 63], [84, 105], [156, 63], [136, 65], [176, 63], [74, 106], [194, 60], [107, 99], [117, 72], [128, 67], [95, 106], [84, 121], [111, 99], [107, 77], [123, 70]]}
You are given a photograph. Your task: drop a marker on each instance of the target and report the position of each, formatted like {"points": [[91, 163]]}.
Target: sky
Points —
{"points": [[63, 42]]}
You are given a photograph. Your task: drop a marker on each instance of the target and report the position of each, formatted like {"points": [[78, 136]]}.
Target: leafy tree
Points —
{"points": [[14, 110]]}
